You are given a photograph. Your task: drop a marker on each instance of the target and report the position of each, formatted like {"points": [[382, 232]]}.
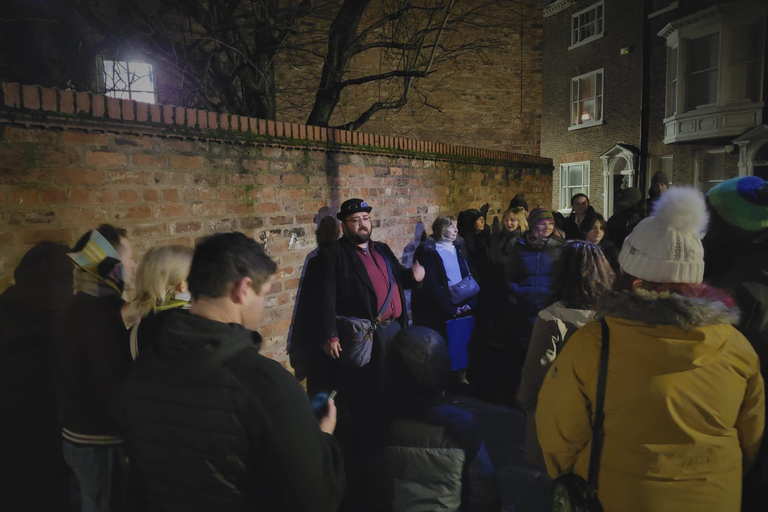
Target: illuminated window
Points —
{"points": [[574, 179], [587, 99], [128, 80], [587, 25]]}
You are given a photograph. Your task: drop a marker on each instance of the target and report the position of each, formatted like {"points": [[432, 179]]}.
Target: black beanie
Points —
{"points": [[518, 200]]}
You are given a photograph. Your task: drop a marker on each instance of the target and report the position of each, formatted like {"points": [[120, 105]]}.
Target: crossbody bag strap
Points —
{"points": [[597, 426], [384, 306]]}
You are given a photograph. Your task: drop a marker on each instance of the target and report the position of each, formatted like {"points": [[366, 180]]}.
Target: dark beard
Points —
{"points": [[359, 239]]}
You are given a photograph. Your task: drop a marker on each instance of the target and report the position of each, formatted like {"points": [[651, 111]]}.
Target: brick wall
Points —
{"points": [[622, 89], [69, 161]]}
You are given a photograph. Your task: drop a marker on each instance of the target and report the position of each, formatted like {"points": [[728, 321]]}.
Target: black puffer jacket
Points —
{"points": [[213, 425]]}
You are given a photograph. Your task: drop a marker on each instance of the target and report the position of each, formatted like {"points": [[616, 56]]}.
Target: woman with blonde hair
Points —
{"points": [[161, 284]]}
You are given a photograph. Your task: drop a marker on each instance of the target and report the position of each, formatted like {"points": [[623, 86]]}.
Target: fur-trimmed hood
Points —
{"points": [[696, 306]]}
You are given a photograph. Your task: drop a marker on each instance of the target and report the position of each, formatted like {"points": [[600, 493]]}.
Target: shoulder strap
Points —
{"points": [[597, 424]]}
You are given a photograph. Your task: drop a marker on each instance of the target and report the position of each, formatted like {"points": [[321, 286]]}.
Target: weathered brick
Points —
{"points": [[186, 162], [25, 197], [240, 208], [292, 179], [82, 177], [129, 196], [92, 215], [252, 222], [148, 230], [84, 138], [104, 158], [186, 227], [124, 177], [35, 217], [171, 210], [53, 195], [35, 236], [170, 195], [147, 160], [151, 196], [269, 207], [30, 95], [131, 212], [19, 134], [106, 196], [79, 196]]}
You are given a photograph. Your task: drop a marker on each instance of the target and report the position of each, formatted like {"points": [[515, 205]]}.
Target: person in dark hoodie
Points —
{"points": [[476, 234], [422, 452], [33, 474], [211, 423], [659, 185], [630, 210], [581, 212], [90, 362]]}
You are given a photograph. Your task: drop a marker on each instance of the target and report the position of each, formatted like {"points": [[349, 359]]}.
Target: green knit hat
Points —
{"points": [[742, 202]]}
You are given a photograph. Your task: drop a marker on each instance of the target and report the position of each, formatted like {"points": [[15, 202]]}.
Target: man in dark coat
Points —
{"points": [[581, 212], [630, 210], [353, 281], [90, 361], [211, 423]]}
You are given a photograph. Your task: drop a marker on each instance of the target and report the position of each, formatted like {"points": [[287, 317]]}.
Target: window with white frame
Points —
{"points": [[587, 25], [587, 99], [702, 71], [574, 179], [128, 80], [710, 168], [715, 68]]}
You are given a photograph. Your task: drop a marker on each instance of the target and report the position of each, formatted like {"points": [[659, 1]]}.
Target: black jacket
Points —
{"points": [[572, 229], [91, 359], [431, 303], [342, 287], [213, 425]]}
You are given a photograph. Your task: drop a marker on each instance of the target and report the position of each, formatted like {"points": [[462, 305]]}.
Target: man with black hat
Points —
{"points": [[357, 278]]}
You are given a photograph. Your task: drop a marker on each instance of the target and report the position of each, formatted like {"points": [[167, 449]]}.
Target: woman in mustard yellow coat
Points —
{"points": [[684, 403]]}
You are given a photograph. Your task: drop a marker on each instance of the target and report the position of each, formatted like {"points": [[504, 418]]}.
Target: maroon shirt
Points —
{"points": [[376, 266]]}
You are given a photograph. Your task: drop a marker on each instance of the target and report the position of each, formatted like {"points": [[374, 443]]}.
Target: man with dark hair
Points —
{"points": [[91, 359], [354, 276], [581, 211], [214, 425]]}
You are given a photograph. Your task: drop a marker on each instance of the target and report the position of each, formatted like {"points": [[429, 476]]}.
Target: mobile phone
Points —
{"points": [[332, 395]]}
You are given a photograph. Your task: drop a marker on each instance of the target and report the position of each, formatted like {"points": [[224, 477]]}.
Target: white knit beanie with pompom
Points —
{"points": [[666, 247]]}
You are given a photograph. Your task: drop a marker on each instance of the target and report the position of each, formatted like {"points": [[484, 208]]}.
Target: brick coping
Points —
{"points": [[102, 113]]}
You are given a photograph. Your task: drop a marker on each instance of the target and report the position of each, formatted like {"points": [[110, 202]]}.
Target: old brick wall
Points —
{"points": [[172, 175], [622, 89]]}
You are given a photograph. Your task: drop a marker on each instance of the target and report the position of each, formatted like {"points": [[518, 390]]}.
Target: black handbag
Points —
{"points": [[570, 492], [464, 290], [356, 334]]}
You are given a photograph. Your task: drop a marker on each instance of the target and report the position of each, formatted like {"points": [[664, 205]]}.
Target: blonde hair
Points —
{"points": [[160, 271], [519, 213]]}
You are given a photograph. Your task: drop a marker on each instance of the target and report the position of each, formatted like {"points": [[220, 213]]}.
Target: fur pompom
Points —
{"points": [[683, 209]]}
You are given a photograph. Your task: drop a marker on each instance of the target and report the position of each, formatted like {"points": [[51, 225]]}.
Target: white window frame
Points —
{"points": [[575, 81], [115, 93], [726, 115], [599, 22], [565, 198], [698, 170]]}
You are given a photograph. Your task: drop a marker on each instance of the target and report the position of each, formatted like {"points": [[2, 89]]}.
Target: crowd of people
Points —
{"points": [[163, 402]]}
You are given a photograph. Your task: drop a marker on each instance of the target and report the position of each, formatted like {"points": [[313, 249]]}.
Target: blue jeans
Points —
{"points": [[99, 472]]}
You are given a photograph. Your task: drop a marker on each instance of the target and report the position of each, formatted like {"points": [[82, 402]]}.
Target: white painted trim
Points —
{"points": [[556, 7], [671, 7], [591, 38]]}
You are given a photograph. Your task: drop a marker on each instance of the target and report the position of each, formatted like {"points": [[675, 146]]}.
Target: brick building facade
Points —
{"points": [[631, 88]]}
